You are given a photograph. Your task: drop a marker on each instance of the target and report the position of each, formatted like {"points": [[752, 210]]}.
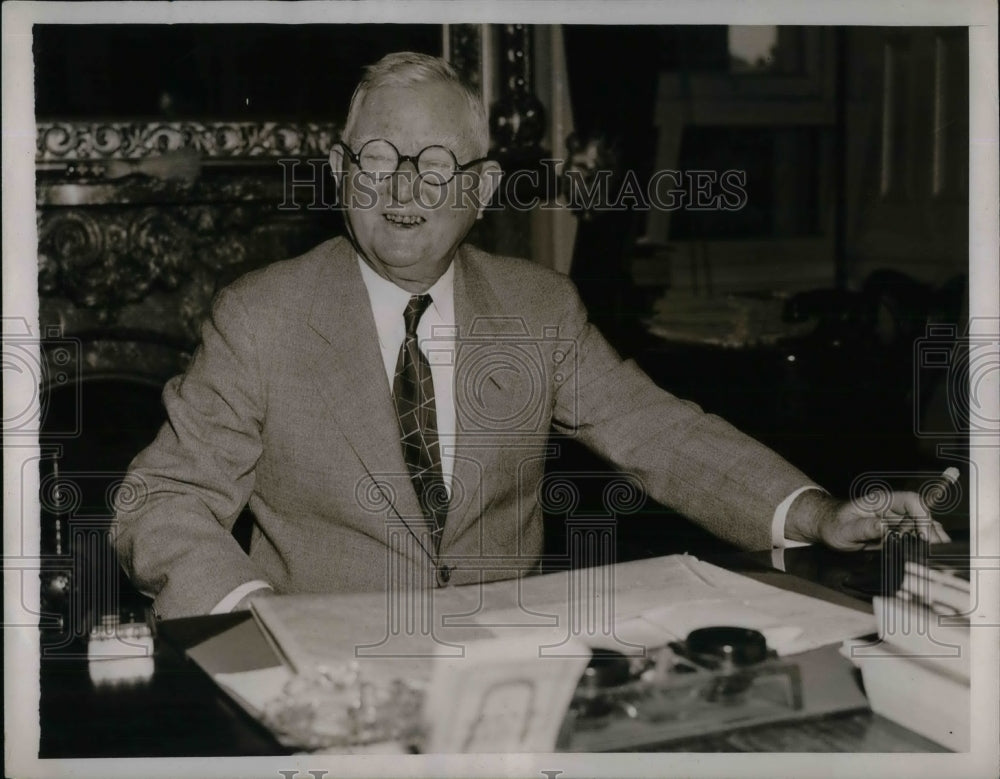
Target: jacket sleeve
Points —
{"points": [[695, 463], [183, 493]]}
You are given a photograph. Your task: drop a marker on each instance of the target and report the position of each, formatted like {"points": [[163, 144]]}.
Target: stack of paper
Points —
{"points": [[630, 607], [922, 656]]}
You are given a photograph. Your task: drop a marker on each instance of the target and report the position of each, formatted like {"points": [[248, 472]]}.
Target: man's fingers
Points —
{"points": [[852, 528], [870, 526], [909, 504], [908, 512], [938, 534], [932, 530]]}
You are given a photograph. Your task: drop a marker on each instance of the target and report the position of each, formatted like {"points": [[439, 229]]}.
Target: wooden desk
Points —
{"points": [[178, 711]]}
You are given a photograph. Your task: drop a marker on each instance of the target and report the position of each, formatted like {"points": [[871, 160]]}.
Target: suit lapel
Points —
{"points": [[350, 378], [476, 453]]}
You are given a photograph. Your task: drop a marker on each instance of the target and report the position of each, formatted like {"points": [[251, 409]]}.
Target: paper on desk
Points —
{"points": [[647, 603], [254, 689], [586, 600], [681, 618], [389, 638], [629, 607], [791, 622]]}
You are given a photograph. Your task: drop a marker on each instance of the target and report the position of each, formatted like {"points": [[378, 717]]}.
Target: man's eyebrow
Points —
{"points": [[448, 141]]}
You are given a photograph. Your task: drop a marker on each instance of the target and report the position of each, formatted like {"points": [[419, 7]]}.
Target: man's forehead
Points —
{"points": [[429, 113]]}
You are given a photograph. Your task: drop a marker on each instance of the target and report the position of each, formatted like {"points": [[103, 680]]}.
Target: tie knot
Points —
{"points": [[414, 310]]}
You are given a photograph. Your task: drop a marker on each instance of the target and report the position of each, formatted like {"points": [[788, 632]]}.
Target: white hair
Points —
{"points": [[407, 68]]}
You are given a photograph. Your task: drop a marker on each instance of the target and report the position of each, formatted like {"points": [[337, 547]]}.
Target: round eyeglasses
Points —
{"points": [[435, 164]]}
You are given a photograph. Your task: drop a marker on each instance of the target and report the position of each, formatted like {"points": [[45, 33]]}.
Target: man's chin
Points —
{"points": [[402, 257], [398, 263]]}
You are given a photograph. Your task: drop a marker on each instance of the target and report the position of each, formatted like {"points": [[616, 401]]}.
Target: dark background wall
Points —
{"points": [[222, 71]]}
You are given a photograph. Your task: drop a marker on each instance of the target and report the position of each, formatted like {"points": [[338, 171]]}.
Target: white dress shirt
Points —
{"points": [[436, 337]]}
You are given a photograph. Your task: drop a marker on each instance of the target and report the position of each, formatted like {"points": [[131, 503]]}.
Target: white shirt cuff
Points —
{"points": [[228, 603], [778, 540]]}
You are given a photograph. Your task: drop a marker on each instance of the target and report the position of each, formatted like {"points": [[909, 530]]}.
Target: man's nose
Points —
{"points": [[404, 181]]}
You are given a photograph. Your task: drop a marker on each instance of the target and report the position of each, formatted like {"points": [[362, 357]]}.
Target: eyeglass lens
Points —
{"points": [[380, 158]]}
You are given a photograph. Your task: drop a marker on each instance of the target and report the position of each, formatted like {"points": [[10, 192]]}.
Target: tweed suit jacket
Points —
{"points": [[286, 407]]}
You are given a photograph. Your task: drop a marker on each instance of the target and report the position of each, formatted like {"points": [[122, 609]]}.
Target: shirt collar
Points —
{"points": [[389, 300]]}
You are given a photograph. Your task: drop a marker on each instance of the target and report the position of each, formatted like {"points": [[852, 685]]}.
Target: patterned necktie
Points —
{"points": [[413, 393]]}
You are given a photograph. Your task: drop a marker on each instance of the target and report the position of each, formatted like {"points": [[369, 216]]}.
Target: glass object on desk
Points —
{"points": [[337, 708], [718, 678]]}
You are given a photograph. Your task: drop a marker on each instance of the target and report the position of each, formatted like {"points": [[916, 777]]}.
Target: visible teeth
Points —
{"points": [[404, 219]]}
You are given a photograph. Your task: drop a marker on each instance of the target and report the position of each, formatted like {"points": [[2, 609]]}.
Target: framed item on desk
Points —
{"points": [[501, 697]]}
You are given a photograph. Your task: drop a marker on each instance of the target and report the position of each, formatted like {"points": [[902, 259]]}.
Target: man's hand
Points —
{"points": [[844, 525]]}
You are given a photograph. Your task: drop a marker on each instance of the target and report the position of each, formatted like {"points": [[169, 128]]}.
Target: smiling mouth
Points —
{"points": [[401, 220]]}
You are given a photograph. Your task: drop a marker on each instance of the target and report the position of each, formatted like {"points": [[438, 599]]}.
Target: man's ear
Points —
{"points": [[489, 180], [337, 163]]}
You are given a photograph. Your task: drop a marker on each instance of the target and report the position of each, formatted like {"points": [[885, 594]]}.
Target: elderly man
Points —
{"points": [[383, 403]]}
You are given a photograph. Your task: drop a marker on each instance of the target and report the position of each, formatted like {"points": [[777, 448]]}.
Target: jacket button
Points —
{"points": [[444, 574]]}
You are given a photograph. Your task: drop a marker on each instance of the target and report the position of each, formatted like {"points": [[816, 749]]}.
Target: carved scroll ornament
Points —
{"points": [[66, 141], [104, 261]]}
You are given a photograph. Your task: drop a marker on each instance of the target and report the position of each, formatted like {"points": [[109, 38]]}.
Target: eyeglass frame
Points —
{"points": [[401, 158]]}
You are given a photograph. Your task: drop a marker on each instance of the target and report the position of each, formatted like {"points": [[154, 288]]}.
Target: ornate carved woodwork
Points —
{"points": [[517, 119], [464, 49], [147, 252], [239, 141]]}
